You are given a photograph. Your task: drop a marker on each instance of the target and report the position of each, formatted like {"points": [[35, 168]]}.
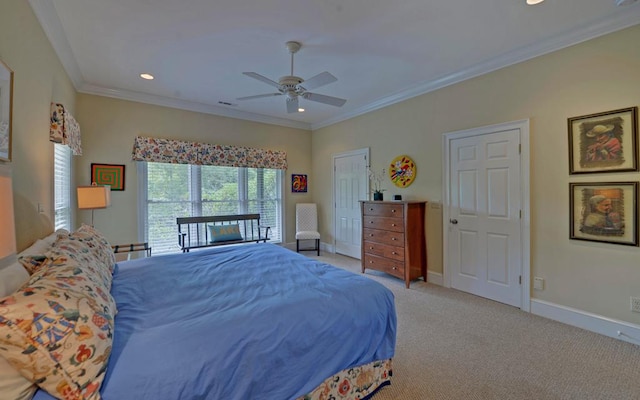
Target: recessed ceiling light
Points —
{"points": [[300, 109], [534, 2], [146, 76]]}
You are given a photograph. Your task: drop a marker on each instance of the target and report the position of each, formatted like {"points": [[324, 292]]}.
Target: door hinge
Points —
{"points": [[520, 279], [519, 148], [520, 214]]}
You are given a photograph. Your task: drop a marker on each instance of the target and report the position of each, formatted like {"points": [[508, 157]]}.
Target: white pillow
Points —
{"points": [[12, 384], [40, 246], [12, 278]]}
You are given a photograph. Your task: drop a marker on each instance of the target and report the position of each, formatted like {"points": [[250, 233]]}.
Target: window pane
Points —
{"points": [[168, 193], [62, 186], [176, 190], [220, 190]]}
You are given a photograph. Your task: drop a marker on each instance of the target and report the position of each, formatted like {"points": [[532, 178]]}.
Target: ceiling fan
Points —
{"points": [[293, 87]]}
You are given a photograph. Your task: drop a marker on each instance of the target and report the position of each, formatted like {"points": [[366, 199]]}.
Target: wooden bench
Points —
{"points": [[195, 232]]}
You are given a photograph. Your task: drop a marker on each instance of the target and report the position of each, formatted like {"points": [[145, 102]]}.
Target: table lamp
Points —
{"points": [[94, 197]]}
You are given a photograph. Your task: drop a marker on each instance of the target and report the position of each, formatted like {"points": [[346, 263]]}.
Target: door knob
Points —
{"points": [[454, 221]]}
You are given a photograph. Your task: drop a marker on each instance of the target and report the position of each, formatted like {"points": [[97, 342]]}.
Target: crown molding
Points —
{"points": [[190, 106], [587, 32], [47, 16]]}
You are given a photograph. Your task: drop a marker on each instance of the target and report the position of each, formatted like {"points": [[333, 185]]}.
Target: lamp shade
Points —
{"points": [[92, 197], [7, 222]]}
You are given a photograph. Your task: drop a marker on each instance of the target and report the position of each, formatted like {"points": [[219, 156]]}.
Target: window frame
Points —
{"points": [[196, 197], [62, 187]]}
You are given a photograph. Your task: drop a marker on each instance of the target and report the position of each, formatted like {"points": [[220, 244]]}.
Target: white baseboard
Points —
{"points": [[435, 277], [323, 246], [621, 330]]}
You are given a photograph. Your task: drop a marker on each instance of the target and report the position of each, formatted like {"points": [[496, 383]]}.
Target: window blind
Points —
{"points": [[62, 186]]}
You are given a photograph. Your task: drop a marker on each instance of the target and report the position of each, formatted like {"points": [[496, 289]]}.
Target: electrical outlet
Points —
{"points": [[635, 304], [538, 283]]}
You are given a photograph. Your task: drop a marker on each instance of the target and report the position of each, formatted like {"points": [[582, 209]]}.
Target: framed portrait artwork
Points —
{"points": [[604, 212], [108, 174], [6, 111], [604, 142], [298, 183]]}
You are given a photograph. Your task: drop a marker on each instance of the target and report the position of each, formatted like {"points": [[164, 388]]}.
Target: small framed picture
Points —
{"points": [[298, 183], [604, 142], [604, 212], [108, 174]]}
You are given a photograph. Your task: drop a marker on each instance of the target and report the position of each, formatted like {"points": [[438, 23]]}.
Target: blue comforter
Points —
{"points": [[241, 322]]}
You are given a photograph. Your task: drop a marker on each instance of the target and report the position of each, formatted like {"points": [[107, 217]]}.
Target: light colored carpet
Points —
{"points": [[453, 345]]}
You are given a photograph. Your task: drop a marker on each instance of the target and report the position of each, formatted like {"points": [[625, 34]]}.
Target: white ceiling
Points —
{"points": [[381, 51]]}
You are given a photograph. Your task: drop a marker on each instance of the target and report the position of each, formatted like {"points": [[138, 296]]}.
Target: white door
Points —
{"points": [[484, 247], [350, 184]]}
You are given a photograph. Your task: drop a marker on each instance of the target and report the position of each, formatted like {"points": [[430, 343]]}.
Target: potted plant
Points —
{"points": [[376, 181]]}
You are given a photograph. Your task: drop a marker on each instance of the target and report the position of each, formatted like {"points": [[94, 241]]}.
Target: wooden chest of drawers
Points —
{"points": [[393, 238]]}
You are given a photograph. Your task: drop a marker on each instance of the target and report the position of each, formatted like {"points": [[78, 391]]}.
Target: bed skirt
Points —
{"points": [[358, 383]]}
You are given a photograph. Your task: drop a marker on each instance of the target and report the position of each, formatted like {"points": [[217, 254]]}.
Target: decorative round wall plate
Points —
{"points": [[402, 171]]}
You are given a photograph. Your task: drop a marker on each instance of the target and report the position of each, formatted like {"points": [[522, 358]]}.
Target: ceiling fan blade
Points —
{"points": [[292, 105], [262, 78], [259, 96], [321, 98], [321, 79]]}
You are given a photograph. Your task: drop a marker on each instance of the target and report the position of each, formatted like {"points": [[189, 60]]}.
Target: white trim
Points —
{"points": [[435, 277], [525, 226], [189, 106], [141, 167], [616, 329], [46, 13], [47, 16], [326, 247], [366, 152]]}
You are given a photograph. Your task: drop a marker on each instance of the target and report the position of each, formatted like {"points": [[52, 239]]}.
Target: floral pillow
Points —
{"points": [[79, 251], [57, 330], [98, 244]]}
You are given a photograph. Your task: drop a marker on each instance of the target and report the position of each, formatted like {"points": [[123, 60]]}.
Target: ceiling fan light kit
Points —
{"points": [[293, 87]]}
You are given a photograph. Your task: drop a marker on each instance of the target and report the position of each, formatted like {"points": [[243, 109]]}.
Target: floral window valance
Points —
{"points": [[64, 129], [183, 152]]}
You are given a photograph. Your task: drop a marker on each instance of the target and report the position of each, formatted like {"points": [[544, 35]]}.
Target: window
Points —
{"points": [[168, 191], [62, 186]]}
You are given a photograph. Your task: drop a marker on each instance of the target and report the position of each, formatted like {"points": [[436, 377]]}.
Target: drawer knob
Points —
{"points": [[370, 247], [371, 234], [393, 252], [393, 210], [370, 262], [393, 224], [371, 222], [394, 268], [371, 209], [393, 238]]}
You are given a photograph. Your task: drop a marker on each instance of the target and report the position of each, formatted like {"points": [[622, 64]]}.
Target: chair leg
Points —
{"points": [[318, 245], [297, 246]]}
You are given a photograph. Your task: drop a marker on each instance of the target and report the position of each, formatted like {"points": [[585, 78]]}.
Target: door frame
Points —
{"points": [[525, 221], [364, 151]]}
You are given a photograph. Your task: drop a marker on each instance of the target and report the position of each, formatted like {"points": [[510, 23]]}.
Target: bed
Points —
{"points": [[235, 322]]}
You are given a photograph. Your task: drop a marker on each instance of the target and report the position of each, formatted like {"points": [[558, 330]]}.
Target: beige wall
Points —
{"points": [[598, 75], [109, 127], [39, 79]]}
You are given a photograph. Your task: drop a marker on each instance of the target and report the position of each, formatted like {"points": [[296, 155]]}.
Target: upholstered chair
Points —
{"points": [[307, 225]]}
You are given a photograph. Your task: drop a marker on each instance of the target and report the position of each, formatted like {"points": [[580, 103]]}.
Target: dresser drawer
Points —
{"points": [[383, 210], [392, 267], [379, 249], [386, 237], [386, 223]]}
